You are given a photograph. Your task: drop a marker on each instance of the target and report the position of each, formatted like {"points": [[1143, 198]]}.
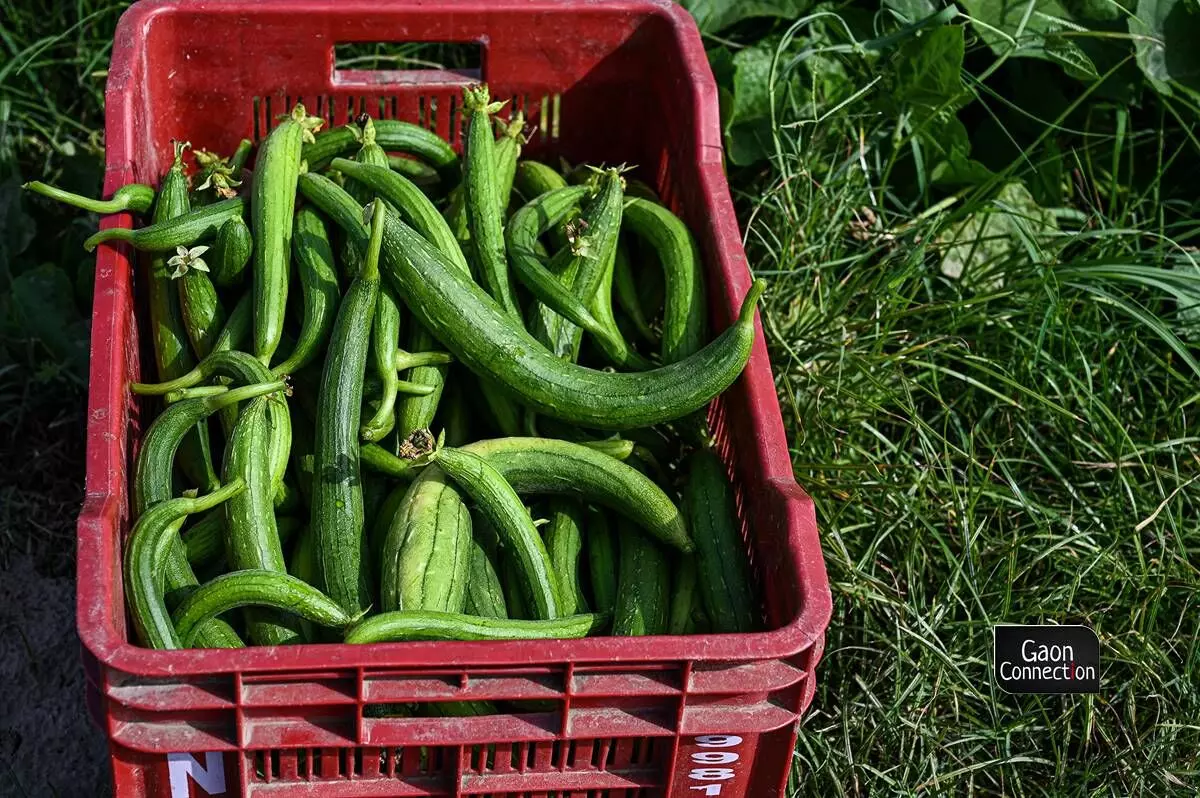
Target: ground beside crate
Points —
{"points": [[48, 745]]}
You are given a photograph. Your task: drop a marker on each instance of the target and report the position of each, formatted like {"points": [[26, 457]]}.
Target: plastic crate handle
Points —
{"points": [[429, 74]]}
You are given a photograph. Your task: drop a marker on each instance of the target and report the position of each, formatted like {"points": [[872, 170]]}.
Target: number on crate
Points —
{"points": [[713, 774]]}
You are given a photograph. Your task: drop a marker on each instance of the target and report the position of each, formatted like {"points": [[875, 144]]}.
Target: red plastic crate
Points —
{"points": [[623, 81]]}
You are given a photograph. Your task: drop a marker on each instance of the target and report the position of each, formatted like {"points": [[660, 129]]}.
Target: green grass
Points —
{"points": [[1016, 447], [1013, 445]]}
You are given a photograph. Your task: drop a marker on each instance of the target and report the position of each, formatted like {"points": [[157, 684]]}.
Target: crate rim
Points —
{"points": [[100, 513], [703, 84]]}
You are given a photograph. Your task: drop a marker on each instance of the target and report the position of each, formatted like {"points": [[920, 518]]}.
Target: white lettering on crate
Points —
{"points": [[715, 775], [210, 777]]}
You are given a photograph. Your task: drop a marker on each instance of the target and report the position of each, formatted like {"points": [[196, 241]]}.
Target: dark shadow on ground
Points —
{"points": [[48, 744]]}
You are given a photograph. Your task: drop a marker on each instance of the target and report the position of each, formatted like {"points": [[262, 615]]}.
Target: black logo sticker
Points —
{"points": [[1046, 659]]}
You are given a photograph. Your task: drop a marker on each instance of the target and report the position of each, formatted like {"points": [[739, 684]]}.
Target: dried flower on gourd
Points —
{"points": [[217, 173]]}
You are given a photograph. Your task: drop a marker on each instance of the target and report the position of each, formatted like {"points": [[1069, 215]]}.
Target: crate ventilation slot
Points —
{"points": [[302, 765], [440, 112]]}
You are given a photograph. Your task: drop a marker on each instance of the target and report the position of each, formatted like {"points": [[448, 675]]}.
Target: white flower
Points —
{"points": [[185, 259]]}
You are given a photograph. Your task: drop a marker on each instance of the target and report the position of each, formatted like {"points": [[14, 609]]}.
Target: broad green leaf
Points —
{"points": [[925, 73], [725, 98], [912, 10], [805, 80], [17, 228], [1099, 10], [748, 117], [43, 301], [713, 16], [959, 170], [924, 84], [1070, 57], [1058, 31], [721, 62], [749, 142], [947, 150], [991, 235], [826, 80], [751, 82], [1017, 26], [1168, 43]]}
